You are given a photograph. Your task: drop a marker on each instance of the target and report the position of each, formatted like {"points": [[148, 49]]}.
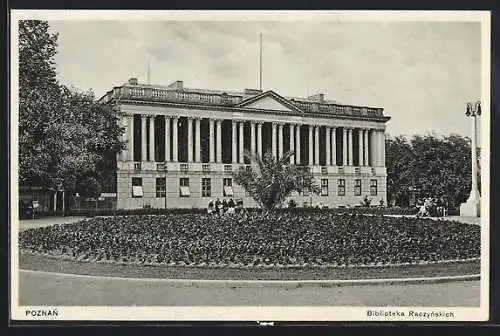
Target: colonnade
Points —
{"points": [[371, 142]]}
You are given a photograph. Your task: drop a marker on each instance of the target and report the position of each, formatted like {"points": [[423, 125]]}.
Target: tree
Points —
{"points": [[89, 187], [399, 156], [270, 181]]}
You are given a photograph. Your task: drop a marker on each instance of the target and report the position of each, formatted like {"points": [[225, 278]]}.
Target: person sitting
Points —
{"points": [[230, 206], [210, 208], [218, 206], [224, 206]]}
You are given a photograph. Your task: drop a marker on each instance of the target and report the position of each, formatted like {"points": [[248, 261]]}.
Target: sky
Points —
{"points": [[421, 73]]}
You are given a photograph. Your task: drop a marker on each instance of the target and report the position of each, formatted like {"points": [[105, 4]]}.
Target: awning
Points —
{"points": [[185, 191], [228, 191], [137, 191]]}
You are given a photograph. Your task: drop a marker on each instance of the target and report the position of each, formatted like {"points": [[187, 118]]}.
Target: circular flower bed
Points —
{"points": [[257, 239]]}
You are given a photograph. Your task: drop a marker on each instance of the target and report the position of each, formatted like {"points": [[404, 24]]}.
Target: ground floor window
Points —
{"points": [[324, 187], [206, 187], [184, 187], [137, 187], [341, 187], [357, 187], [161, 187], [373, 187], [227, 189]]}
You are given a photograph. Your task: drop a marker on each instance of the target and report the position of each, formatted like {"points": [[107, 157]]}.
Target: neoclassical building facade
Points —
{"points": [[183, 144]]}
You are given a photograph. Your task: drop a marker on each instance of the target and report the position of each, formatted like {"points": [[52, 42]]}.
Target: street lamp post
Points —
{"points": [[472, 206]]}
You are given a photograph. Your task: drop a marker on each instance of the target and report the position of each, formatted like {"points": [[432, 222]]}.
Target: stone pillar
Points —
{"points": [[211, 140], [344, 146], [190, 139], [219, 141], [197, 140], [241, 147], [365, 146], [274, 140], [334, 146], [297, 144], [252, 138], [130, 138], [375, 144], [259, 138], [382, 148], [144, 141], [316, 145], [328, 161], [360, 147], [234, 154], [167, 138], [351, 147], [311, 153], [175, 139], [152, 138], [280, 141], [292, 143]]}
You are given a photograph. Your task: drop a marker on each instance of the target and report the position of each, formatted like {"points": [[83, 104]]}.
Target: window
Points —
{"points": [[137, 187], [324, 187], [227, 189], [341, 187], [206, 187], [357, 187], [161, 187], [373, 187], [184, 187]]}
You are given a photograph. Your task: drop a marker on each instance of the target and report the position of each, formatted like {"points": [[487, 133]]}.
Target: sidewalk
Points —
{"points": [[47, 221]]}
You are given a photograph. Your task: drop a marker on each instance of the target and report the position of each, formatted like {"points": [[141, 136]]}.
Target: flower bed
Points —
{"points": [[292, 239]]}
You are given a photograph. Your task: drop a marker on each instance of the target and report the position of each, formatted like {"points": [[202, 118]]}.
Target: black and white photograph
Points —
{"points": [[263, 166]]}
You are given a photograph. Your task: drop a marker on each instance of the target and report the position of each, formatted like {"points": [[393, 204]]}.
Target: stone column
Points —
{"points": [[167, 138], [152, 138], [175, 139], [292, 143], [297, 144], [344, 146], [374, 146], [252, 137], [144, 141], [190, 139], [280, 140], [259, 138], [274, 139], [219, 141], [334, 146], [382, 148], [328, 161], [241, 147], [351, 147], [311, 153], [316, 145], [211, 140], [234, 155], [365, 146], [130, 137], [197, 140], [360, 147]]}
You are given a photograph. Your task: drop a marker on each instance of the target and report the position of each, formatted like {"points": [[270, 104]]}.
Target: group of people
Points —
{"points": [[432, 207], [221, 207]]}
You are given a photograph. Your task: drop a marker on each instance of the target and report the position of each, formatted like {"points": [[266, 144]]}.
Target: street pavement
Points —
{"points": [[59, 289]]}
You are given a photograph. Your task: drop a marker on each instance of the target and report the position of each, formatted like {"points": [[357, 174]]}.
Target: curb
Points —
{"points": [[271, 283]]}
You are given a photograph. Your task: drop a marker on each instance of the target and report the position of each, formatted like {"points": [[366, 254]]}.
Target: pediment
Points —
{"points": [[269, 101]]}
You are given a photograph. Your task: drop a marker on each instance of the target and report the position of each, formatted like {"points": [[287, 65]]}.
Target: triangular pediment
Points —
{"points": [[269, 100]]}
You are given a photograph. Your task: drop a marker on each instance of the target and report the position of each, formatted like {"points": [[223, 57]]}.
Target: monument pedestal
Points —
{"points": [[472, 207]]}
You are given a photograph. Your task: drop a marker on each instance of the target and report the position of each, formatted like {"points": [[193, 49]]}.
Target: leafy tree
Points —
{"points": [[399, 155], [270, 181], [89, 187]]}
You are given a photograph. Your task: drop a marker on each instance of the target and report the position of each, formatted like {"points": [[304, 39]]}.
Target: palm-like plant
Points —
{"points": [[269, 181]]}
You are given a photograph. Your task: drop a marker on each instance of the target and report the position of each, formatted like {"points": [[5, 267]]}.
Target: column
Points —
{"points": [[382, 148], [167, 138], [190, 139], [297, 144], [123, 123], [328, 147], [234, 154], [130, 138], [316, 145], [152, 138], [197, 140], [360, 147], [144, 141], [280, 140], [351, 147], [334, 146], [344, 147], [259, 138], [241, 148], [211, 140], [311, 153], [292, 144], [252, 138], [175, 139], [374, 149], [274, 140], [365, 146], [219, 141]]}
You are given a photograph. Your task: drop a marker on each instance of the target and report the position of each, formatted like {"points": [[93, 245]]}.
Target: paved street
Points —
{"points": [[54, 289]]}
